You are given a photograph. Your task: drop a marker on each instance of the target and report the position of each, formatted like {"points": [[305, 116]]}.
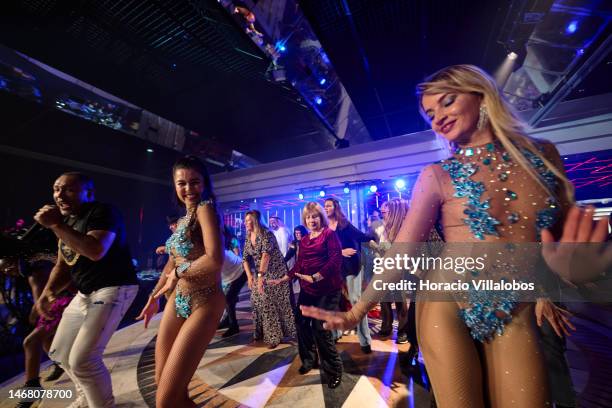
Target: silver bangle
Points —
{"points": [[181, 269]]}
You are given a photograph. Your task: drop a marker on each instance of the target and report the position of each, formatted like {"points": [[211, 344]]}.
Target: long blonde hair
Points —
{"points": [[258, 226], [506, 126], [397, 209]]}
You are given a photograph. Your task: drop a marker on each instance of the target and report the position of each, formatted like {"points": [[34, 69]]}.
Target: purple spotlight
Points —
{"points": [[318, 100]]}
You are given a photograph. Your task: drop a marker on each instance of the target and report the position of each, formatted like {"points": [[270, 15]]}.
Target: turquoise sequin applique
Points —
{"points": [[179, 240], [479, 220], [546, 217], [488, 313], [182, 304]]}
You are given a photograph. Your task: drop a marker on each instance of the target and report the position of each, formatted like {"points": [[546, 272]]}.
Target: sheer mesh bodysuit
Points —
{"points": [[187, 326], [508, 370], [186, 245]]}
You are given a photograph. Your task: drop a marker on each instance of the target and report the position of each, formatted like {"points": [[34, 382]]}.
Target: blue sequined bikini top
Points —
{"points": [[479, 220], [180, 242]]}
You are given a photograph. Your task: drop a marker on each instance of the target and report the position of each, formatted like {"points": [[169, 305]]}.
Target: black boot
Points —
{"points": [[33, 383], [223, 324], [230, 332], [56, 373]]}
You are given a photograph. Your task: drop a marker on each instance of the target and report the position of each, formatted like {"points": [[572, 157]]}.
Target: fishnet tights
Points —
{"points": [[179, 348], [509, 371]]}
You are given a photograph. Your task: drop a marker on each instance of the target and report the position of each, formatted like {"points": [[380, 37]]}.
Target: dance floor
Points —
{"points": [[235, 372]]}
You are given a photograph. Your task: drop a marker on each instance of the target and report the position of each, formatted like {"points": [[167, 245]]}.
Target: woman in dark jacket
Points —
{"points": [[299, 232], [350, 239]]}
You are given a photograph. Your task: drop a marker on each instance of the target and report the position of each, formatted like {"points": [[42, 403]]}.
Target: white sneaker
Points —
{"points": [[79, 402]]}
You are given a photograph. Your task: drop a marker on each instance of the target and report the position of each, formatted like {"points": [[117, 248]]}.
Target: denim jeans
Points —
{"points": [[87, 326], [353, 284]]}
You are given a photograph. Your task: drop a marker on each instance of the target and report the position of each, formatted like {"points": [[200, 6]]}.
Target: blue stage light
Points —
{"points": [[347, 190], [322, 193], [400, 184], [318, 100], [149, 150], [373, 188], [301, 196], [571, 27], [322, 81], [281, 46]]}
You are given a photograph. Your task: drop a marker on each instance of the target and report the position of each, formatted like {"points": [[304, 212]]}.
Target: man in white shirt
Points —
{"points": [[281, 233]]}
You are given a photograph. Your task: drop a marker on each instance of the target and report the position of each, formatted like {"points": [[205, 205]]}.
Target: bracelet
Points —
{"points": [[181, 269]]}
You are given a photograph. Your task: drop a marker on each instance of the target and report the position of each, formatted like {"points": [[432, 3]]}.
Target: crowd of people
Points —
{"points": [[498, 186]]}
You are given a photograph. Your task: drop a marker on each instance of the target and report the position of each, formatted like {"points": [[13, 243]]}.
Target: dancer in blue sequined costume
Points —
{"points": [[192, 278], [498, 186]]}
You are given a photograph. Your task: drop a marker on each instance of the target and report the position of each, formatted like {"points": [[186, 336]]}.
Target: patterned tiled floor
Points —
{"points": [[235, 372]]}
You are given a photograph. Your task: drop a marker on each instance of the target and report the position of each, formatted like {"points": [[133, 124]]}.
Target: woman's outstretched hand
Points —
{"points": [[148, 311], [558, 318], [331, 319], [578, 247], [171, 281]]}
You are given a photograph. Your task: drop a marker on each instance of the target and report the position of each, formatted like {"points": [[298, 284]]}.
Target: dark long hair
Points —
{"points": [[193, 163], [302, 229], [338, 213]]}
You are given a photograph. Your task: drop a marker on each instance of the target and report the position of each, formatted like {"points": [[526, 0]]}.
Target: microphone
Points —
{"points": [[31, 232]]}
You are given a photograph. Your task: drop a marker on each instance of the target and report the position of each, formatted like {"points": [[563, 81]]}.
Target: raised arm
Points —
{"points": [[212, 260], [102, 227], [93, 245]]}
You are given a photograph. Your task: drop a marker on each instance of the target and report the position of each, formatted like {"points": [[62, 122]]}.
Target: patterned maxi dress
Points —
{"points": [[272, 313]]}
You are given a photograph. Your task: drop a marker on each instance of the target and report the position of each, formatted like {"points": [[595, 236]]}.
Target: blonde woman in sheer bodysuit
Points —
{"points": [[499, 186]]}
